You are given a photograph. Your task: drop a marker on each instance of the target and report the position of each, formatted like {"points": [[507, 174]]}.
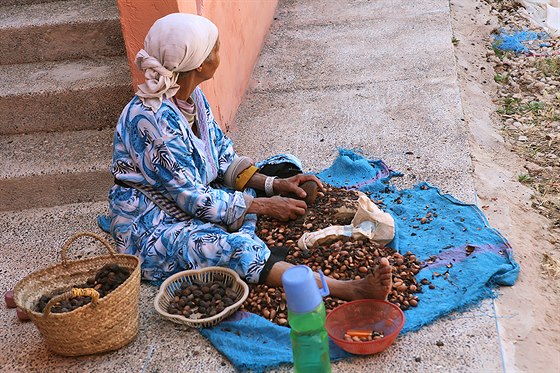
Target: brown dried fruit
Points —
{"points": [[343, 260]]}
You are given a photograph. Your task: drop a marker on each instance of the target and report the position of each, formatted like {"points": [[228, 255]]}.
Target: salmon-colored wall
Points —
{"points": [[243, 26]]}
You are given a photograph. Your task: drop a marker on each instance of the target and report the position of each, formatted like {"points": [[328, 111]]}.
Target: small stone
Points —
{"points": [[9, 299], [22, 315], [533, 168], [522, 138], [439, 343], [418, 359]]}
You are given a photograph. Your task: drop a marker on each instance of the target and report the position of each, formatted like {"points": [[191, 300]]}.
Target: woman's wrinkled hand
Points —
{"points": [[277, 207], [291, 185], [285, 209]]}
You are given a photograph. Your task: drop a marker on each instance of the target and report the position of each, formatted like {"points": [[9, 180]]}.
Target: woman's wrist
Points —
{"points": [[258, 206], [269, 186]]}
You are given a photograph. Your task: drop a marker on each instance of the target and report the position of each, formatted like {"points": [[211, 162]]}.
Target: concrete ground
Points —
{"points": [[373, 75]]}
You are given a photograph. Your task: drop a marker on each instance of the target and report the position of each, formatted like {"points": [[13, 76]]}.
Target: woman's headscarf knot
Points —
{"points": [[178, 42]]}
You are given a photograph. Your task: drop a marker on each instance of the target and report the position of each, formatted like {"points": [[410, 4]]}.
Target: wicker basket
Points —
{"points": [[208, 274], [103, 325]]}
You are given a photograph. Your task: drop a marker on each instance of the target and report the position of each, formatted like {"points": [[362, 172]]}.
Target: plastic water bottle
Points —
{"points": [[306, 314]]}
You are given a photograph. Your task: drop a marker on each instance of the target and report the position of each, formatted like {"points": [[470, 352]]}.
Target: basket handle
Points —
{"points": [[73, 293], [69, 242]]}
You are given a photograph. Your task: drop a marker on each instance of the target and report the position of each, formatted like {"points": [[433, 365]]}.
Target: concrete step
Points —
{"points": [[53, 169], [60, 30], [62, 96], [21, 2]]}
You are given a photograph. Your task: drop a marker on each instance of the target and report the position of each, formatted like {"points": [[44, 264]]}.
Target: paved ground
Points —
{"points": [[373, 75]]}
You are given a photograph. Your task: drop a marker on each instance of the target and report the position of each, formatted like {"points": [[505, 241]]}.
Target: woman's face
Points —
{"points": [[211, 63]]}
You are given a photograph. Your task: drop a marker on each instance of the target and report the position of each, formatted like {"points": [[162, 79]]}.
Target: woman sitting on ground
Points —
{"points": [[182, 198]]}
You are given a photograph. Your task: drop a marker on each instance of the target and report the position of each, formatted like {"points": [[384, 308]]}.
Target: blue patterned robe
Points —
{"points": [[161, 151]]}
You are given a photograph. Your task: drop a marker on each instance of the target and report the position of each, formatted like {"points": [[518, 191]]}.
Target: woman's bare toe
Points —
{"points": [[377, 285]]}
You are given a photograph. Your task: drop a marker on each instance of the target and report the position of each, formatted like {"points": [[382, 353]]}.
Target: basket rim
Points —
{"points": [[40, 272], [385, 338], [208, 320]]}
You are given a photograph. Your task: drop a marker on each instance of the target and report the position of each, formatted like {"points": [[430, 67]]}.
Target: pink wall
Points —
{"points": [[243, 26]]}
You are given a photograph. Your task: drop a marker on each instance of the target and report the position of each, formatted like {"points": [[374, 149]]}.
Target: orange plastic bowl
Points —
{"points": [[367, 314]]}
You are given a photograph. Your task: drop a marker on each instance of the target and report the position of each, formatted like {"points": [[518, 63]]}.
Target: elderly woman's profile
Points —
{"points": [[182, 197]]}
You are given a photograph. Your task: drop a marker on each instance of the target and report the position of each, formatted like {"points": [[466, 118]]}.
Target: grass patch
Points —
{"points": [[514, 106], [501, 54], [501, 79], [524, 178], [454, 41], [549, 66], [511, 106], [535, 106]]}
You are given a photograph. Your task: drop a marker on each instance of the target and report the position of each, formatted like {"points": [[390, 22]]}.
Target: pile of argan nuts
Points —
{"points": [[107, 279], [344, 260], [199, 300]]}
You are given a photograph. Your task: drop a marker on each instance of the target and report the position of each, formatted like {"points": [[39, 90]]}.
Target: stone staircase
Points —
{"points": [[65, 80]]}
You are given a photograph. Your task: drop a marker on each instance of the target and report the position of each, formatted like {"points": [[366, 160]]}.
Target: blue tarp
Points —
{"points": [[455, 242], [518, 41]]}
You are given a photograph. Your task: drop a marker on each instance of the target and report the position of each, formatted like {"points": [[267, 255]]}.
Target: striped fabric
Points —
{"points": [[170, 206]]}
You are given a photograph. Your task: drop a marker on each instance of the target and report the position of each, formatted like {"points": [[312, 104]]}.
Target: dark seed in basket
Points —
{"points": [[227, 301], [106, 279], [201, 300]]}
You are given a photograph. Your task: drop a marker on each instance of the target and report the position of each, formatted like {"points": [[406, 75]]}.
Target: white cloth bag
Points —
{"points": [[369, 222]]}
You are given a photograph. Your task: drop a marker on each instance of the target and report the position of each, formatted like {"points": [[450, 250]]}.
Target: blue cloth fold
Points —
{"points": [[252, 343], [104, 222]]}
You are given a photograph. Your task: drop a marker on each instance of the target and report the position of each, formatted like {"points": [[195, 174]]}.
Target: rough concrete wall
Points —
{"points": [[243, 26]]}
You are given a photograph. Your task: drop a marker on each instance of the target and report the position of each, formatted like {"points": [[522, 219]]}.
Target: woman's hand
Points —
{"points": [[291, 185], [280, 208]]}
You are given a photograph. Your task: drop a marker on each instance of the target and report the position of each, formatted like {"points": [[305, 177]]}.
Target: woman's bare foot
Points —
{"points": [[375, 286]]}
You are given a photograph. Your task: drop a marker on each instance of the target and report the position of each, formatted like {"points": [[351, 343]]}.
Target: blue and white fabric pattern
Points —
{"points": [[160, 150]]}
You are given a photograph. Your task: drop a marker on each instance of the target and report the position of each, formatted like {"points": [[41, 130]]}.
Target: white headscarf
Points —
{"points": [[176, 43]]}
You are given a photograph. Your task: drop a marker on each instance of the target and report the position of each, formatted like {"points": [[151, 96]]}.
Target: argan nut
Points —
{"points": [[362, 269], [412, 288], [413, 302], [9, 299], [402, 288]]}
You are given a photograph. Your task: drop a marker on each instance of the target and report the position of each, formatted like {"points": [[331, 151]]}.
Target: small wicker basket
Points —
{"points": [[103, 325], [208, 274]]}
